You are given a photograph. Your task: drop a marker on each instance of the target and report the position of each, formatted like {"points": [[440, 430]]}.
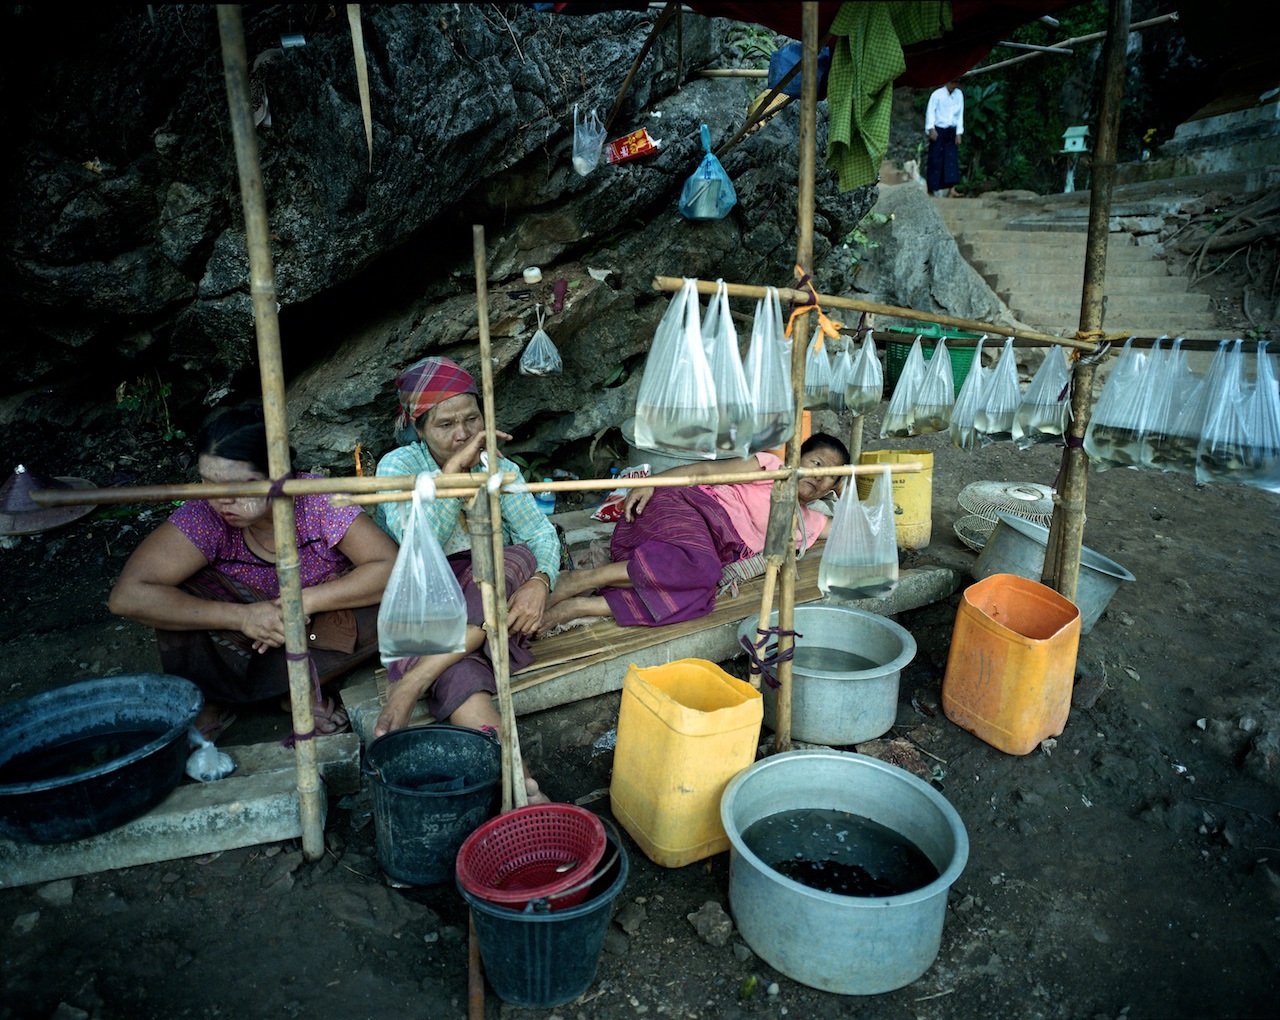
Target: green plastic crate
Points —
{"points": [[930, 333]]}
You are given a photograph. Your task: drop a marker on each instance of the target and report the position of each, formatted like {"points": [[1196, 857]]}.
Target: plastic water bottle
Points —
{"points": [[546, 500]]}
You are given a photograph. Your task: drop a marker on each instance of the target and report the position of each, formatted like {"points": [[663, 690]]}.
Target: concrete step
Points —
{"points": [[1029, 254], [1199, 326], [1130, 305], [1138, 284], [1049, 240], [1066, 266]]}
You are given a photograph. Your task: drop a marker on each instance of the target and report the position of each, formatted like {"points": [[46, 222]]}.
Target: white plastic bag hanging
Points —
{"points": [[768, 375], [588, 139], [865, 388], [423, 611], [817, 373], [837, 399], [963, 435], [541, 356], [1171, 383], [901, 410], [861, 556], [1113, 438], [1225, 453], [1264, 424], [936, 394], [676, 407], [1046, 406], [737, 411], [1000, 399]]}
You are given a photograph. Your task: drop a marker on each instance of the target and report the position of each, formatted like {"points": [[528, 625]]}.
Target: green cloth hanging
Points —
{"points": [[866, 57]]}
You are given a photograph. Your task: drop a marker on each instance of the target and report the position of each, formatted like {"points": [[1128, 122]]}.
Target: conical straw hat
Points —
{"points": [[21, 515]]}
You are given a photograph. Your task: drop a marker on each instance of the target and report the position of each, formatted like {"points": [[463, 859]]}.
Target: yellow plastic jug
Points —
{"points": [[1012, 662], [684, 730], [912, 494]]}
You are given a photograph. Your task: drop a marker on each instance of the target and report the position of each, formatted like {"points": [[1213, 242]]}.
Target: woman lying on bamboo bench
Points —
{"points": [[206, 580], [672, 545], [438, 398]]}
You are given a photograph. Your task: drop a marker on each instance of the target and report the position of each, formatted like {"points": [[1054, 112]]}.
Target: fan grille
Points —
{"points": [[974, 531], [1028, 500]]}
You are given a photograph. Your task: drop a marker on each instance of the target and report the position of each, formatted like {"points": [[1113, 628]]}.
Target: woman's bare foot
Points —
{"points": [[533, 791], [213, 720], [576, 608], [572, 583], [401, 697]]}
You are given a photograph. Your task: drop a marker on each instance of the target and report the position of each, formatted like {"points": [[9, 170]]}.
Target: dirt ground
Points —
{"points": [[1132, 870]]}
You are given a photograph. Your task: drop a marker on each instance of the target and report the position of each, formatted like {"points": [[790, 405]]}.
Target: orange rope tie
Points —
{"points": [[826, 326]]}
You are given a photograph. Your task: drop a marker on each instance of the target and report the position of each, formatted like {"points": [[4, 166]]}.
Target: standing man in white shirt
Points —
{"points": [[944, 124]]}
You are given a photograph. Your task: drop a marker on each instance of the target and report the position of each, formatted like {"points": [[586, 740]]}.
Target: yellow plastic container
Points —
{"points": [[1012, 662], [912, 495], [684, 730]]}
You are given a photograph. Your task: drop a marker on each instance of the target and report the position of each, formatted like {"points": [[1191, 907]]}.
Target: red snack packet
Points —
{"points": [[611, 509], [631, 146]]}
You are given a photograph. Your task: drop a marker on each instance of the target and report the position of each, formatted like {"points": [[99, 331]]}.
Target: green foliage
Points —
{"points": [[534, 466], [149, 402], [753, 44], [859, 241]]}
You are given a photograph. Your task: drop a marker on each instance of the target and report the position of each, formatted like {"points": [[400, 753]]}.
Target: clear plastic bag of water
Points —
{"points": [[1046, 406], [1000, 399], [541, 356], [936, 394], [768, 374], [207, 764], [676, 408], [865, 386], [861, 556], [736, 423], [900, 414], [423, 611], [963, 435], [1114, 435], [817, 373]]}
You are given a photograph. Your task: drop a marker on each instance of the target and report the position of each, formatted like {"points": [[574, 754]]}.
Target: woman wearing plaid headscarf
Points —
{"points": [[439, 399]]}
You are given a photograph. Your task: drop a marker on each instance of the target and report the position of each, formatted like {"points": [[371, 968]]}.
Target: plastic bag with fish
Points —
{"points": [[860, 559], [840, 372], [1046, 407], [541, 356], [817, 373], [1114, 435], [737, 410], [865, 387], [963, 435], [676, 409], [1001, 396], [936, 394], [768, 374], [900, 414]]}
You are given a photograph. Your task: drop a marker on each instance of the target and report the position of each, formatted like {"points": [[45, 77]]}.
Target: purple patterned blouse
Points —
{"points": [[320, 527]]}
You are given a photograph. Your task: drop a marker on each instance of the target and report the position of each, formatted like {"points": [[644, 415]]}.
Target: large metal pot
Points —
{"points": [[91, 756]]}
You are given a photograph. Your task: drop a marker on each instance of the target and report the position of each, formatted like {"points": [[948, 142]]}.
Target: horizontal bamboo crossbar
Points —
{"points": [[801, 297], [393, 488]]}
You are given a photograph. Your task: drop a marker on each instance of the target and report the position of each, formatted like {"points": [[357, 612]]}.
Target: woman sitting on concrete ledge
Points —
{"points": [[671, 547]]}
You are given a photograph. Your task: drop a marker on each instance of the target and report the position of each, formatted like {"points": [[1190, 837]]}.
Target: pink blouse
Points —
{"points": [[320, 527], [747, 505]]}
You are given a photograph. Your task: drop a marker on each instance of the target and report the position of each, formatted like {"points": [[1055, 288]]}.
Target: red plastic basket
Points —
{"points": [[518, 857]]}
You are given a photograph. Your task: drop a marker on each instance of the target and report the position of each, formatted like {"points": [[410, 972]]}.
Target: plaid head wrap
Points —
{"points": [[428, 382]]}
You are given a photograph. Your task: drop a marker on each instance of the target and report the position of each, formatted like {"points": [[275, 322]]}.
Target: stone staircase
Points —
{"points": [[1030, 249]]}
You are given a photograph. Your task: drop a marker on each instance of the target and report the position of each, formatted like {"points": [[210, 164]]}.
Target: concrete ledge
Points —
{"points": [[916, 587], [257, 804]]}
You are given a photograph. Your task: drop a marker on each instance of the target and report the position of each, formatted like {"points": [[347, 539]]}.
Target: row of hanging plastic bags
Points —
{"points": [[1154, 412], [854, 383], [698, 397], [990, 406]]}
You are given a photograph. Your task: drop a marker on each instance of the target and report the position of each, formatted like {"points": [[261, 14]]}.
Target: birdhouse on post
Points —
{"points": [[1075, 139], [1074, 144]]}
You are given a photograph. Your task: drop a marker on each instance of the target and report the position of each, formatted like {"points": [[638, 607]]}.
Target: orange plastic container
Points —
{"points": [[1012, 662], [684, 730]]}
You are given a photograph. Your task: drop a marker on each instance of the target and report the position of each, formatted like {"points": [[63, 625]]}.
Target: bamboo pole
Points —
{"points": [[513, 791], [399, 488], [1091, 37], [262, 286], [1066, 530], [855, 440], [658, 26], [799, 297], [733, 72], [804, 259]]}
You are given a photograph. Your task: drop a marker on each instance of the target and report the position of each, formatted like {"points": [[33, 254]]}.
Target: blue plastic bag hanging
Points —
{"points": [[708, 194]]}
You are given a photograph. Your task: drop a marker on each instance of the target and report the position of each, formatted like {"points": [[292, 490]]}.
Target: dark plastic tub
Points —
{"points": [[432, 787], [541, 958], [86, 758]]}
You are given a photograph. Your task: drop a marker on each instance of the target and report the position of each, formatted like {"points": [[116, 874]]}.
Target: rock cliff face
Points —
{"points": [[123, 243]]}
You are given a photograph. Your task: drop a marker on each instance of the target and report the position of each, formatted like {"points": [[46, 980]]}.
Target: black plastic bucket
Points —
{"points": [[432, 787], [538, 958], [83, 759]]}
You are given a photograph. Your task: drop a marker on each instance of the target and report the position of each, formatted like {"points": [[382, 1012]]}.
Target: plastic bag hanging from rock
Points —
{"points": [[676, 408], [423, 611], [541, 356], [708, 194], [861, 556], [736, 408], [1046, 406], [588, 140], [768, 375]]}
